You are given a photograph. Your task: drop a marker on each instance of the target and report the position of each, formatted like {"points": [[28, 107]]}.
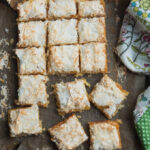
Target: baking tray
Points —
{"points": [[49, 116]]}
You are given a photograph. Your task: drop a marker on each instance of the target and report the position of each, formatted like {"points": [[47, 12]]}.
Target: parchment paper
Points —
{"points": [[130, 81]]}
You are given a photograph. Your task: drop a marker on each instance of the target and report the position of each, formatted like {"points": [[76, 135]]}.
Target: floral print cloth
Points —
{"points": [[142, 118], [134, 42], [134, 51]]}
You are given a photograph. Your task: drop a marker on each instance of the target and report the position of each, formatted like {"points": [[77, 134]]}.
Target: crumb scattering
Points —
{"points": [[4, 42], [4, 60], [4, 106], [121, 73]]}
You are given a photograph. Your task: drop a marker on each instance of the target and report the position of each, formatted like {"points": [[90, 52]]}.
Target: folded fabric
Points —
{"points": [[134, 42], [142, 118]]}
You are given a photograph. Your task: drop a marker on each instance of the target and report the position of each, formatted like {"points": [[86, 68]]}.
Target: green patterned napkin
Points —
{"points": [[140, 9], [142, 118]]}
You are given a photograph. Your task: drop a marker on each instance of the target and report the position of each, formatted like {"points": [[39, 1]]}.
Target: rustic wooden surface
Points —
{"points": [[133, 83]]}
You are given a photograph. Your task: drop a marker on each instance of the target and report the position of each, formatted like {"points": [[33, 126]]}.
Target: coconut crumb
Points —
{"points": [[1, 80], [119, 121], [121, 73], [11, 41], [4, 60], [120, 106], [4, 106], [78, 75], [117, 19], [6, 30], [87, 83], [4, 42], [78, 116]]}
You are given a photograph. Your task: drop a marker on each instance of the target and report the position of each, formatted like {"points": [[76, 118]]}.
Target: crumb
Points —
{"points": [[11, 41], [6, 30], [119, 121], [121, 72], [1, 80], [4, 106], [116, 9], [43, 129], [78, 75], [87, 83], [4, 58], [79, 116], [4, 42], [121, 106], [117, 19]]}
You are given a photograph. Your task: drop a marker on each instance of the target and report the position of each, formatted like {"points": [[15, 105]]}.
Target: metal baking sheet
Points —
{"points": [[130, 81]]}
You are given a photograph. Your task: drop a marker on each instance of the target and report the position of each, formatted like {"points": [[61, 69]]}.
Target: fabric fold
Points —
{"points": [[134, 42], [142, 118]]}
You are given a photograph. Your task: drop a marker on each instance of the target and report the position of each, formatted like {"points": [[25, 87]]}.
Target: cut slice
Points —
{"points": [[24, 121], [32, 34], [68, 134], [63, 59], [92, 30], [104, 135], [72, 96], [32, 90], [31, 61], [108, 96], [62, 9], [93, 57], [32, 10], [62, 32], [94, 8]]}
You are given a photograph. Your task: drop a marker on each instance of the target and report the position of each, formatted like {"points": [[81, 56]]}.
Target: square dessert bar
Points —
{"points": [[92, 30], [62, 8], [62, 32], [104, 135], [68, 134], [32, 10], [93, 58], [91, 8], [63, 59], [24, 121], [71, 96], [108, 96], [31, 60], [32, 90], [32, 34]]}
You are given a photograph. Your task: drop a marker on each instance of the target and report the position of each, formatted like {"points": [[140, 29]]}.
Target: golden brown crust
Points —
{"points": [[60, 123], [121, 89], [104, 39]]}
